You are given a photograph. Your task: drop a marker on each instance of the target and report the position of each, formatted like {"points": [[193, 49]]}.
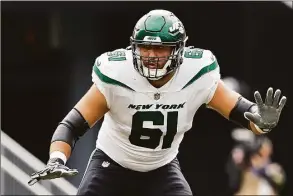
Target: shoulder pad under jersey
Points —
{"points": [[197, 63], [113, 67]]}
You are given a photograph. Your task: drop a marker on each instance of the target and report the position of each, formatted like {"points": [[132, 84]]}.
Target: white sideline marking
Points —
{"points": [[35, 163], [22, 177]]}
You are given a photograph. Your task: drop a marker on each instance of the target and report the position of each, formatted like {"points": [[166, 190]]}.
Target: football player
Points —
{"points": [[148, 95]]}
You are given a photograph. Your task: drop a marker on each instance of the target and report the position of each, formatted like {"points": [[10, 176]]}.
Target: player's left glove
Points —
{"points": [[54, 169], [267, 115]]}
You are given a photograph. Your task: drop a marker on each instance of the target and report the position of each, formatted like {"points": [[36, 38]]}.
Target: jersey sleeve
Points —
{"points": [[98, 78]]}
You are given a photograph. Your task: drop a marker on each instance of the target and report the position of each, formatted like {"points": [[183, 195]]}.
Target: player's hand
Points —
{"points": [[54, 169], [268, 113]]}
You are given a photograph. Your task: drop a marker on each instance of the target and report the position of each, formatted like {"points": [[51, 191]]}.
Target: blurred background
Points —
{"points": [[48, 50]]}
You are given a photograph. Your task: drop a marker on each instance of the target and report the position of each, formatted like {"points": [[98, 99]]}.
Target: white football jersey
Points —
{"points": [[145, 125]]}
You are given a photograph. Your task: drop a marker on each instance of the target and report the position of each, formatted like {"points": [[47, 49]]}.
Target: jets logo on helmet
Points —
{"points": [[176, 28]]}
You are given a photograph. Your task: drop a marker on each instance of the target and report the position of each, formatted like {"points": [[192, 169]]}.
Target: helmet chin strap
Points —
{"points": [[155, 74], [155, 79]]}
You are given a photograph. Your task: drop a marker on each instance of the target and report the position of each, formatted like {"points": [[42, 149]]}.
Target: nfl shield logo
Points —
{"points": [[157, 96]]}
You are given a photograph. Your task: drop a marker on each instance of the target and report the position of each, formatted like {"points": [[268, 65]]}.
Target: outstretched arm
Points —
{"points": [[85, 113], [91, 107], [259, 117]]}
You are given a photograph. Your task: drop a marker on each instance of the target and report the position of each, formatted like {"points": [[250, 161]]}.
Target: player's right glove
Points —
{"points": [[55, 169]]}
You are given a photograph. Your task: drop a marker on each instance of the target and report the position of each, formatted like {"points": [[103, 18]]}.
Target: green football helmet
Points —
{"points": [[161, 28]]}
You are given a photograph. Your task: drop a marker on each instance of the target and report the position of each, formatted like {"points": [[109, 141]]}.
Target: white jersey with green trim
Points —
{"points": [[145, 125]]}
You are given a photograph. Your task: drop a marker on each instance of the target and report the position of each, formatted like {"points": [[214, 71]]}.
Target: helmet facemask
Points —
{"points": [[172, 61]]}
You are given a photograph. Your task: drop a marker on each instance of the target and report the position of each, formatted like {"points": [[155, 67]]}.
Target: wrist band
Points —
{"points": [[60, 155]]}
